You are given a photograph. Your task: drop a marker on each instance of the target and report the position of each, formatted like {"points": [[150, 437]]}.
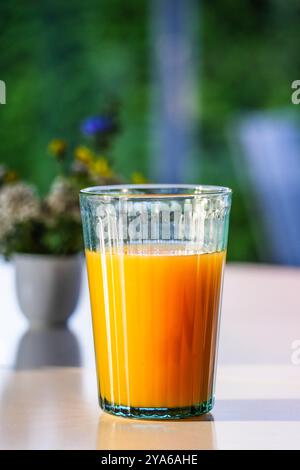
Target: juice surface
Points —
{"points": [[155, 320]]}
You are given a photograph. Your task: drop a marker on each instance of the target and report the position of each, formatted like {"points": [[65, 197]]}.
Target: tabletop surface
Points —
{"points": [[48, 394]]}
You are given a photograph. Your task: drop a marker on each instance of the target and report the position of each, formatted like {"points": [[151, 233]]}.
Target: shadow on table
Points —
{"points": [[257, 410], [48, 347], [125, 434]]}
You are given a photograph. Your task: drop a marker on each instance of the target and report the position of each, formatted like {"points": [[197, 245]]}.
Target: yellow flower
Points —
{"points": [[138, 178], [84, 155], [57, 147], [100, 167], [10, 176]]}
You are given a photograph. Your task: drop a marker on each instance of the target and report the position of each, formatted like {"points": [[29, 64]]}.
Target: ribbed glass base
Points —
{"points": [[158, 413]]}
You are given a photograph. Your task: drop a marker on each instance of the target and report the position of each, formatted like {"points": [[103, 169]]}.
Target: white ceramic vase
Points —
{"points": [[47, 287]]}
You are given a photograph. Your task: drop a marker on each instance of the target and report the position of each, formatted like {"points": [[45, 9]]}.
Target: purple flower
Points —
{"points": [[97, 125]]}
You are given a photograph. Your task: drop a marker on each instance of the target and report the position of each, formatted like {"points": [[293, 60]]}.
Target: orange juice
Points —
{"points": [[155, 320]]}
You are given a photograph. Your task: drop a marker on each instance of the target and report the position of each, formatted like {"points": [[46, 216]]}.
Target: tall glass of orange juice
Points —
{"points": [[155, 257]]}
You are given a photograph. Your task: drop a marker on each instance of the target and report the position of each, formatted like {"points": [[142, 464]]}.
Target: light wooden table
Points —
{"points": [[258, 383], [257, 407]]}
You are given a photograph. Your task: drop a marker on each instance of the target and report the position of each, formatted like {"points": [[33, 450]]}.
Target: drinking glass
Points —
{"points": [[155, 257]]}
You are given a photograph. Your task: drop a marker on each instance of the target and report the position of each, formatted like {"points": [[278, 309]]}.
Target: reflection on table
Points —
{"points": [[121, 434], [47, 347]]}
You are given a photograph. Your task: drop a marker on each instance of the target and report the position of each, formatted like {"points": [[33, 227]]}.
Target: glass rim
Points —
{"points": [[155, 190]]}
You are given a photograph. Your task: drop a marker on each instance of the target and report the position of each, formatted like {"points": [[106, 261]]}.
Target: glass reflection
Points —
{"points": [[119, 434]]}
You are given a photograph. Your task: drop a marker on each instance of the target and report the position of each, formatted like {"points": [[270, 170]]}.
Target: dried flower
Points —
{"points": [[62, 199], [58, 148], [18, 204]]}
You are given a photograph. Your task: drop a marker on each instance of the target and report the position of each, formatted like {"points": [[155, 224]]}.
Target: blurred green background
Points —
{"points": [[63, 61]]}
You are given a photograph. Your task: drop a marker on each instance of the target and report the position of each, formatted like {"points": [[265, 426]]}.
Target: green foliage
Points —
{"points": [[63, 237], [249, 58], [63, 61]]}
